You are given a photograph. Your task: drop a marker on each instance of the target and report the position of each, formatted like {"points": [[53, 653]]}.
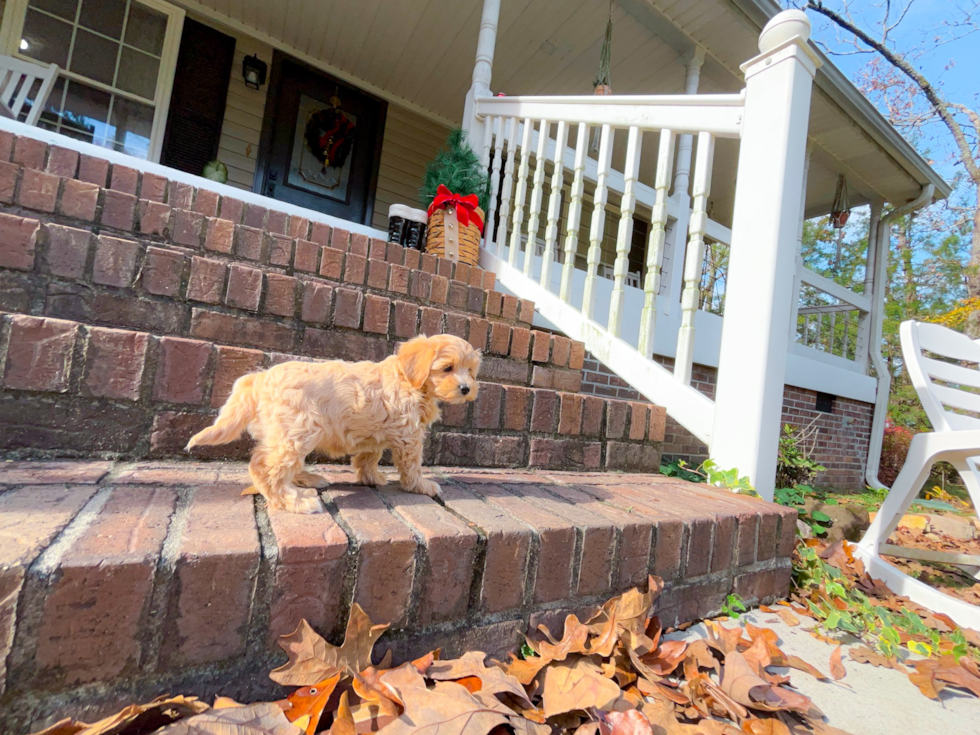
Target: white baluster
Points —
{"points": [[655, 243], [537, 193], [806, 330], [520, 195], [574, 213], [507, 186], [624, 237], [498, 155], [598, 220], [694, 258], [487, 142], [847, 334], [554, 203]]}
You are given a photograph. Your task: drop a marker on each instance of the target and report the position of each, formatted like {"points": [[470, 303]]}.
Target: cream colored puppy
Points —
{"points": [[343, 408]]}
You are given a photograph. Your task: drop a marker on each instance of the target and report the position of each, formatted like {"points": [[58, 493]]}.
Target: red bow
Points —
{"points": [[465, 206]]}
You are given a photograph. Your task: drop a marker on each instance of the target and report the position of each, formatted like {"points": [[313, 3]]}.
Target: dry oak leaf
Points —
{"points": [[864, 655], [343, 720], [310, 702], [134, 719], [264, 718], [768, 726], [450, 710], [630, 722], [492, 680], [745, 686], [630, 610], [312, 659], [836, 665], [664, 722], [576, 684]]}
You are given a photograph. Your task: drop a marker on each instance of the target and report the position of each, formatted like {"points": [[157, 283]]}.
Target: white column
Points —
{"points": [[482, 69], [755, 332], [673, 272], [866, 321], [797, 284]]}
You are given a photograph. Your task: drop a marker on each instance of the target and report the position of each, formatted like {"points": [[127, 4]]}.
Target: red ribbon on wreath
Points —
{"points": [[465, 206]]}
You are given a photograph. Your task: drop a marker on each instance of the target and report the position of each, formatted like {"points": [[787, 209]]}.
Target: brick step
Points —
{"points": [[69, 389], [158, 577]]}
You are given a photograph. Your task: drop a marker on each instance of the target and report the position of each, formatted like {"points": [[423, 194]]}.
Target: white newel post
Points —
{"points": [[755, 334], [482, 71]]}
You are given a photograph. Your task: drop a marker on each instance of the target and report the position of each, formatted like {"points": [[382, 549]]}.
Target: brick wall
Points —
{"points": [[840, 443]]}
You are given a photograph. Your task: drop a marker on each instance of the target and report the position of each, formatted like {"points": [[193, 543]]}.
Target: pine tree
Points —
{"points": [[457, 168]]}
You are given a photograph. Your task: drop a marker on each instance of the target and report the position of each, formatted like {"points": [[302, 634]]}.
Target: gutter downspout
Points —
{"points": [[882, 240]]}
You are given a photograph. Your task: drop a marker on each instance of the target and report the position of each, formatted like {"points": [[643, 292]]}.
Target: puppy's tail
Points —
{"points": [[235, 415]]}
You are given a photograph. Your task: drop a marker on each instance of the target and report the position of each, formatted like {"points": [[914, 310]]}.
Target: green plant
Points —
{"points": [[795, 464], [790, 495], [457, 168], [733, 606], [727, 479], [678, 468]]}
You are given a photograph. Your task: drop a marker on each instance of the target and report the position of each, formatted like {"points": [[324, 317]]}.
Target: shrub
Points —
{"points": [[894, 450], [795, 464]]}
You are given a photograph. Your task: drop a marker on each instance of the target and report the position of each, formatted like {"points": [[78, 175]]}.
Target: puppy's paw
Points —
{"points": [[425, 487], [309, 479], [371, 478], [303, 504]]}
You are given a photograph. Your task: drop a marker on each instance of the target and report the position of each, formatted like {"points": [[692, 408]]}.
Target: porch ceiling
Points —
{"points": [[421, 52]]}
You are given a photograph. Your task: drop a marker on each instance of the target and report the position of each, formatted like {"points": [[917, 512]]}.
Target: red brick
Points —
{"points": [[232, 363], [632, 457], [153, 187], [462, 273], [486, 408], [7, 141], [427, 263], [377, 275], [458, 294], [347, 311], [220, 235], [560, 349], [420, 285], [412, 258], [541, 346], [188, 228], [114, 363], [29, 152], [395, 254], [181, 370], [525, 312], [93, 616], [93, 170], [638, 421], [520, 343], [616, 419], [456, 325], [38, 190], [764, 585], [544, 414], [475, 299], [340, 239], [180, 195], [489, 281], [509, 309], [478, 449], [398, 279], [9, 173], [277, 222], [386, 555], [217, 563], [239, 330], [495, 303], [353, 346], [331, 263], [115, 261], [207, 280], [570, 417], [39, 354], [377, 249], [444, 268], [280, 295], [280, 250], [124, 179], [67, 251], [406, 318], [479, 331], [431, 322], [576, 356], [299, 228], [79, 200], [232, 209], [320, 233], [154, 218], [306, 256], [455, 414], [355, 268], [62, 162], [439, 291], [658, 423], [312, 556], [500, 338], [317, 302], [476, 277], [244, 287], [592, 410], [206, 203], [376, 314], [517, 401]]}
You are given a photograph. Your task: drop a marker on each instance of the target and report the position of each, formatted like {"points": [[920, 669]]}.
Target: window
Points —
{"points": [[825, 402], [117, 61]]}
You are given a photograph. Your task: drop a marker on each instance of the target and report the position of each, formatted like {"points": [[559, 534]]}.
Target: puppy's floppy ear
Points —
{"points": [[416, 357]]}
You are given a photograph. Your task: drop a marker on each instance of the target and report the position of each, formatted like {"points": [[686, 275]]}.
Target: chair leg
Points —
{"points": [[970, 473]]}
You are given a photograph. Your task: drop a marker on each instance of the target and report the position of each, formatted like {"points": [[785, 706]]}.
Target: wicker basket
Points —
{"points": [[462, 244]]}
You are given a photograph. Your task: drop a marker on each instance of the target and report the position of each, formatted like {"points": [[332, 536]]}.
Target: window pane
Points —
{"points": [[45, 38], [137, 73], [52, 110], [61, 8], [94, 56], [85, 113], [104, 16], [131, 125], [146, 28]]}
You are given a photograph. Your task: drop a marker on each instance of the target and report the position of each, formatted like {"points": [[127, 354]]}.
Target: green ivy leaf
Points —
{"points": [[820, 517]]}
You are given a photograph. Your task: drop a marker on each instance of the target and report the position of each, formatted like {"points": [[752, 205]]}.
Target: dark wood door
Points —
{"points": [[321, 142]]}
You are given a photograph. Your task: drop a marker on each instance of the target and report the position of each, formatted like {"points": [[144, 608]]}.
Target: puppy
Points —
{"points": [[343, 408]]}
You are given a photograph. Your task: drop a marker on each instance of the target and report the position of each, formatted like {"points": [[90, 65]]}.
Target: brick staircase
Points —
{"points": [[130, 303]]}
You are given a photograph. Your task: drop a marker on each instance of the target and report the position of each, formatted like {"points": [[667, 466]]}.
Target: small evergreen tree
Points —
{"points": [[457, 168]]}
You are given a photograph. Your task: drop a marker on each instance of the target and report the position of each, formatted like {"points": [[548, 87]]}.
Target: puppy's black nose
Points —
{"points": [[464, 390]]}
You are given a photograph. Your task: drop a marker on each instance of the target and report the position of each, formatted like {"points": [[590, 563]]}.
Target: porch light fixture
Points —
{"points": [[253, 70]]}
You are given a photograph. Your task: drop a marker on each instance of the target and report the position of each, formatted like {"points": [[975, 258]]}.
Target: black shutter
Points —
{"points": [[197, 103]]}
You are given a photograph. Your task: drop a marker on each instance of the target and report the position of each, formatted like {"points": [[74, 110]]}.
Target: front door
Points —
{"points": [[321, 142]]}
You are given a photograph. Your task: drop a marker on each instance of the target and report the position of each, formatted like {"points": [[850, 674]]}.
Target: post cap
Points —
{"points": [[784, 26]]}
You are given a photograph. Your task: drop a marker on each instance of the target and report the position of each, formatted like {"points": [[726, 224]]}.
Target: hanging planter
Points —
{"points": [[603, 84], [840, 211]]}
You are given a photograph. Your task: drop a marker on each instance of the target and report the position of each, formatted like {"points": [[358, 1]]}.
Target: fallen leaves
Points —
{"points": [[264, 718], [836, 665]]}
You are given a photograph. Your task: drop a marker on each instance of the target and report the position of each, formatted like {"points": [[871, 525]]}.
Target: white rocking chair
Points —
{"points": [[941, 388], [17, 77]]}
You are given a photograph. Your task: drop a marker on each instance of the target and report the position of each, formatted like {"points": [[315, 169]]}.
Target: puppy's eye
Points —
{"points": [[447, 369]]}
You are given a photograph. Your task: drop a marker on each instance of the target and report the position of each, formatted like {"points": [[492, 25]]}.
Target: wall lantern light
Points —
{"points": [[253, 70]]}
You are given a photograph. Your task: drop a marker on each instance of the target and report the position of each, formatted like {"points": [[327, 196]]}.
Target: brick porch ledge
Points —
{"points": [[130, 579]]}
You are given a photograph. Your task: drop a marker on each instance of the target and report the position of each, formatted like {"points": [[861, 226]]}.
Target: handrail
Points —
{"points": [[812, 278]]}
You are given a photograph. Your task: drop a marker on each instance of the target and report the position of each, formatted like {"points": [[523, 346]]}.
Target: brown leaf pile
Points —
{"points": [[613, 674]]}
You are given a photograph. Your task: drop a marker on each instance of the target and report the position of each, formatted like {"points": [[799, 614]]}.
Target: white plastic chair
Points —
{"points": [[941, 388], [16, 79]]}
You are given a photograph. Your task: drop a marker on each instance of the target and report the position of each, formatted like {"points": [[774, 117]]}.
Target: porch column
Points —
{"points": [[866, 322], [755, 331], [797, 283], [482, 71], [676, 243]]}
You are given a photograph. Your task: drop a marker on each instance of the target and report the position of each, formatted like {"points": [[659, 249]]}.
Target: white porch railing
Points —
{"points": [[520, 138]]}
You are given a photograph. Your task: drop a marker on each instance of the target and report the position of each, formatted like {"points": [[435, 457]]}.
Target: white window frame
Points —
{"points": [[15, 13]]}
